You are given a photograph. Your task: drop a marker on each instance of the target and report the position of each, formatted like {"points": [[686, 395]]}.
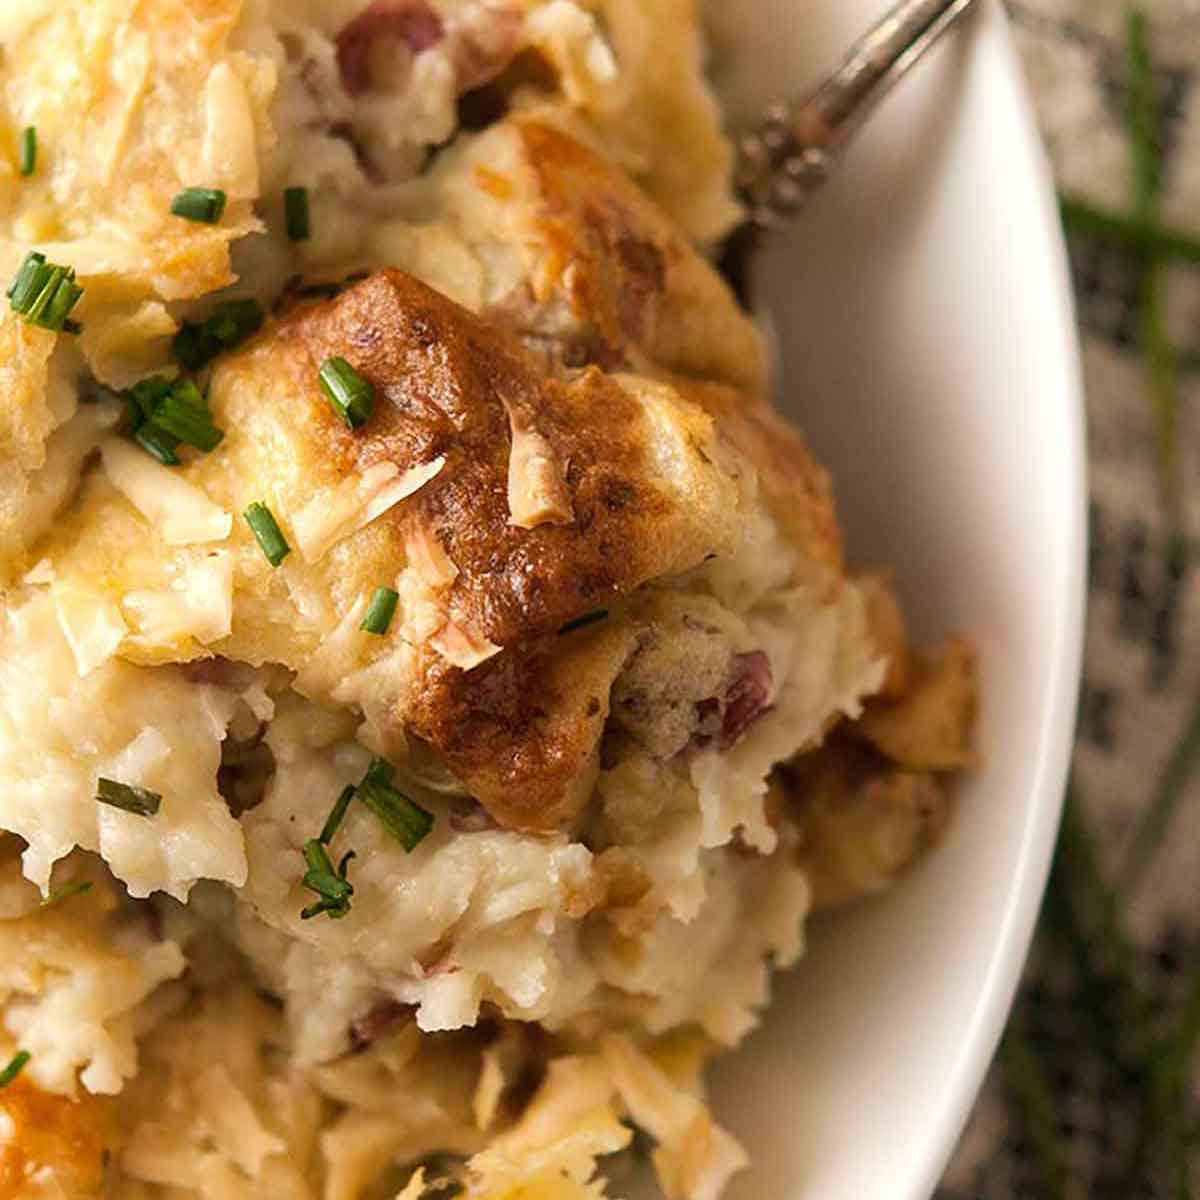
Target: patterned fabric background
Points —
{"points": [[1094, 1093]]}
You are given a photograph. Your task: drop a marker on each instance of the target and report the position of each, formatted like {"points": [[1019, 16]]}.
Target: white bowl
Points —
{"points": [[927, 348]]}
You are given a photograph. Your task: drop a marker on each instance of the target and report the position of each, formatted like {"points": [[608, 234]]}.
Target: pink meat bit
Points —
{"points": [[726, 718], [411, 22], [748, 697]]}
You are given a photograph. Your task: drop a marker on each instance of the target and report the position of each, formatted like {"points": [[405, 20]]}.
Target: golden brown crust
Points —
{"points": [[52, 1146], [862, 819], [930, 726], [797, 489], [648, 496], [885, 620], [444, 384], [524, 728], [638, 294]]}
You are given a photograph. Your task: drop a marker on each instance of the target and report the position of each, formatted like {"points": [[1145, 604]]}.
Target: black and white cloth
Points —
{"points": [[1095, 1093]]}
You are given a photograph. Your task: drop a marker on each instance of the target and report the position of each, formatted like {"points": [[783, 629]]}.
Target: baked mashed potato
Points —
{"points": [[431, 692]]}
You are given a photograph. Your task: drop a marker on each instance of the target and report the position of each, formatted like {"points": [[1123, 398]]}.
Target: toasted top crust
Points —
{"points": [[652, 488], [797, 490], [445, 385], [582, 264]]}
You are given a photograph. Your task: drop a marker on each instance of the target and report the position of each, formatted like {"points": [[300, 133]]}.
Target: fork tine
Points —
{"points": [[789, 154]]}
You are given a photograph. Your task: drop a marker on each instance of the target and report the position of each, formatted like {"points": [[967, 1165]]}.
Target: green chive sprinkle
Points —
{"points": [[44, 294], [29, 149], [348, 393], [25, 286], [336, 815], [75, 888], [158, 444], [380, 611], [403, 818], [125, 796], [184, 415], [295, 208], [205, 205], [164, 413], [14, 1068], [198, 342], [266, 529], [332, 886]]}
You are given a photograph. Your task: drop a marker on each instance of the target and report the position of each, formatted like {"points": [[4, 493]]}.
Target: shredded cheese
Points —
{"points": [[91, 623], [41, 572], [537, 491], [180, 512], [230, 152], [336, 512], [463, 648], [198, 605], [428, 557]]}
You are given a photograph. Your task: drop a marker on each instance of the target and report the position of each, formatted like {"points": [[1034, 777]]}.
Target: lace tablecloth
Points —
{"points": [[1094, 1093]]}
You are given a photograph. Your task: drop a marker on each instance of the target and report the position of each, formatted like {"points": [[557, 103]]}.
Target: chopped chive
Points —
{"points": [[192, 347], [29, 149], [295, 207], [198, 342], [336, 815], [158, 443], [184, 414], [333, 887], [28, 281], [139, 800], [316, 857], [348, 393], [43, 293], [403, 818], [380, 611], [266, 529], [583, 622], [58, 296], [148, 393], [14, 1068], [205, 205], [75, 888]]}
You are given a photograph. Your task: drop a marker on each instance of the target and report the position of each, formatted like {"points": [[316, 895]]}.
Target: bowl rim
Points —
{"points": [[1000, 102], [1065, 617]]}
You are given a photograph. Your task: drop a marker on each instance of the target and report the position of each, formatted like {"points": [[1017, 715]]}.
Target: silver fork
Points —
{"points": [[790, 153]]}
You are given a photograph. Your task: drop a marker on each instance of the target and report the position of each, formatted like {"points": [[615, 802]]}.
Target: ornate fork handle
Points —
{"points": [[792, 150]]}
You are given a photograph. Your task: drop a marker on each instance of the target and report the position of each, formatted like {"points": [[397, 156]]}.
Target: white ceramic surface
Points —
{"points": [[928, 350]]}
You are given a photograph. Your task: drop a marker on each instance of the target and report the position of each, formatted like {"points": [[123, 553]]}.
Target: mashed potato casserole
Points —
{"points": [[431, 692]]}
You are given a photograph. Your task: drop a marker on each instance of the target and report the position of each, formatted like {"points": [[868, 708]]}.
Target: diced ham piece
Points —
{"points": [[537, 491], [748, 697], [412, 22], [724, 719], [483, 39]]}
